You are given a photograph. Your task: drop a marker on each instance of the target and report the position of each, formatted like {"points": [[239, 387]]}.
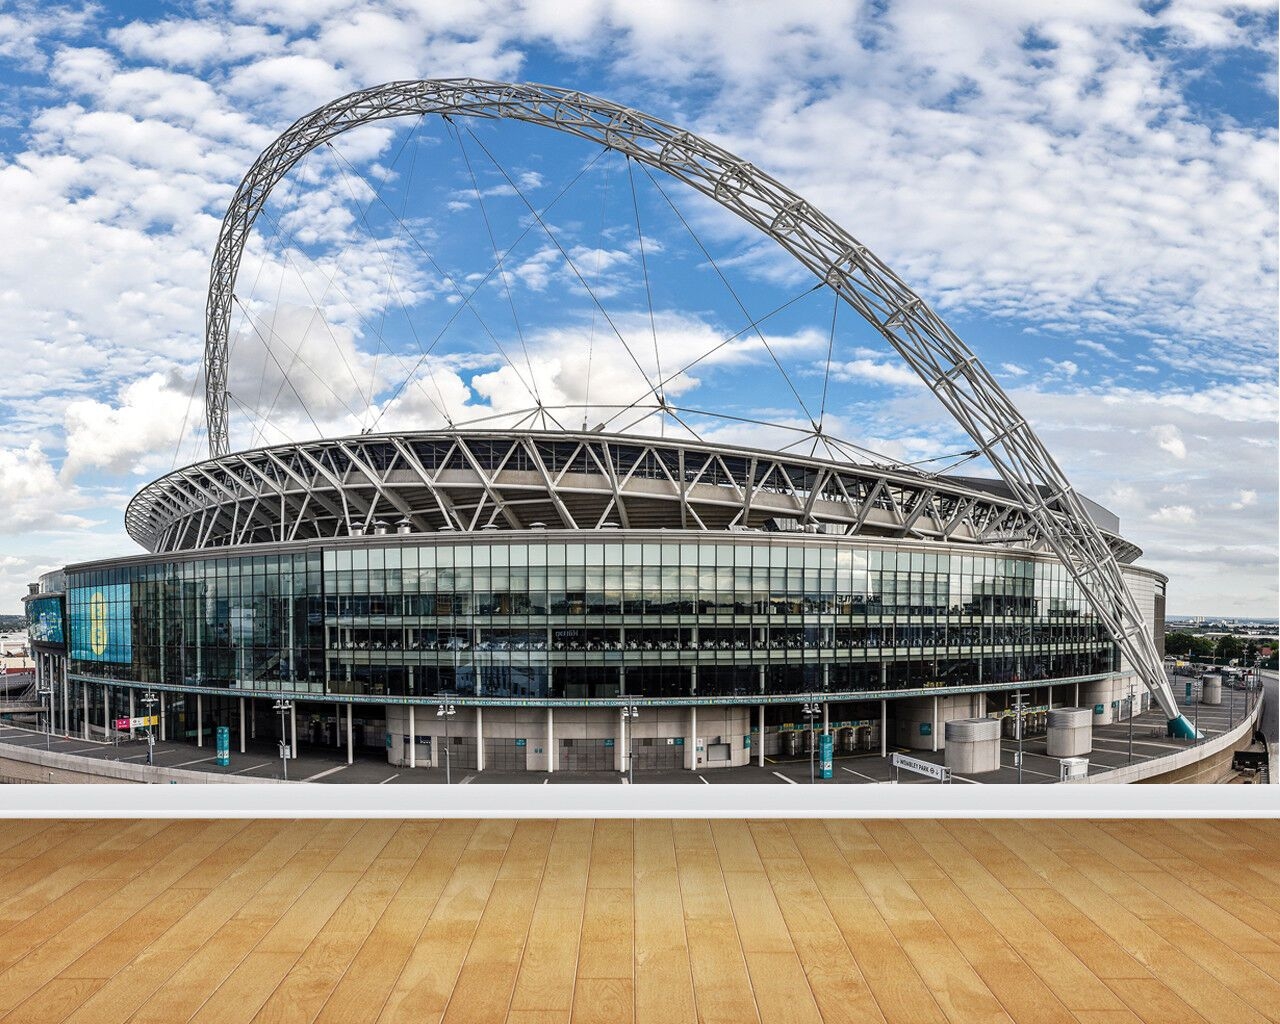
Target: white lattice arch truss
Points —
{"points": [[945, 364]]}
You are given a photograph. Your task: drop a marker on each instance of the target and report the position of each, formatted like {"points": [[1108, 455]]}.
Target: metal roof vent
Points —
{"points": [[355, 530], [404, 526], [380, 528], [537, 526]]}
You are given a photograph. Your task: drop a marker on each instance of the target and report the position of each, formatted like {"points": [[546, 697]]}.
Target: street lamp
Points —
{"points": [[1019, 704], [446, 711], [1131, 724], [148, 701], [810, 712], [45, 693], [627, 713], [282, 706]]}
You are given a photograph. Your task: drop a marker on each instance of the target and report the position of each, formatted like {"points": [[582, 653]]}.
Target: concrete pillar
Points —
{"points": [[692, 756], [551, 740], [66, 701], [84, 708], [106, 712], [253, 721], [933, 733], [131, 712], [479, 738], [293, 729], [350, 741], [973, 745], [199, 720], [884, 728], [826, 719], [1077, 701], [164, 719], [241, 729], [1070, 732], [760, 752], [337, 719], [413, 740]]}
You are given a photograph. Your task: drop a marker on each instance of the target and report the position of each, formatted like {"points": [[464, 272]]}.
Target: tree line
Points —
{"points": [[1223, 648]]}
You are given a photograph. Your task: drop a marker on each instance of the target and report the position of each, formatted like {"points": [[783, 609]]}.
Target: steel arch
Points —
{"points": [[946, 365]]}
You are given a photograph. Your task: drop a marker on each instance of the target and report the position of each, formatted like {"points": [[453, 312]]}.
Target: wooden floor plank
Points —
{"points": [[563, 922], [423, 989]]}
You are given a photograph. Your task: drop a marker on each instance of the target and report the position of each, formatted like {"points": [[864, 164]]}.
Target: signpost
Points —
{"points": [[125, 724], [825, 765], [223, 746], [935, 771]]}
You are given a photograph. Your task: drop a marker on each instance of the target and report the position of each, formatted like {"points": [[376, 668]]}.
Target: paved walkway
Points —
{"points": [[323, 764]]}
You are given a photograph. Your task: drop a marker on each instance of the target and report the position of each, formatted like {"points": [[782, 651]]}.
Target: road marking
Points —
{"points": [[200, 760], [80, 750], [1123, 741], [385, 781], [961, 778], [625, 781], [859, 774], [321, 775], [241, 771], [785, 779], [466, 780], [546, 781], [703, 779], [1031, 771], [132, 757]]}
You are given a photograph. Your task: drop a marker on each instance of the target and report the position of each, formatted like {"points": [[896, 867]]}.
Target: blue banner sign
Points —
{"points": [[223, 747], [101, 623], [44, 620], [825, 765]]}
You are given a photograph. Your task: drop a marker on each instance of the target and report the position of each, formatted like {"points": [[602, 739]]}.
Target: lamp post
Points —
{"points": [[45, 693], [282, 706], [148, 701], [810, 712], [446, 711], [1130, 725], [631, 712], [1019, 703]]}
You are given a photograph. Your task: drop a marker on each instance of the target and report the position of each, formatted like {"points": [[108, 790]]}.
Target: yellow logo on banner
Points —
{"points": [[98, 623]]}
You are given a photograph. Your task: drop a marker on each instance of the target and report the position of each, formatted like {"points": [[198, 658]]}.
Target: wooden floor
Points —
{"points": [[664, 921]]}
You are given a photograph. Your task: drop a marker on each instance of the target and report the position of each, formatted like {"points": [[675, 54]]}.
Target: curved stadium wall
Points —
{"points": [[540, 583]]}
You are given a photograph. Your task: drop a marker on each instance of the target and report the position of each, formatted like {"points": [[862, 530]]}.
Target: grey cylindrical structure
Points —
{"points": [[1070, 732], [973, 745], [1211, 690]]}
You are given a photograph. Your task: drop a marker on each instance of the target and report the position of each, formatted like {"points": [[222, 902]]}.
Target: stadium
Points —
{"points": [[501, 595]]}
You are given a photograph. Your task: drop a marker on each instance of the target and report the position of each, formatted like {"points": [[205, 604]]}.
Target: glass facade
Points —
{"points": [[574, 618]]}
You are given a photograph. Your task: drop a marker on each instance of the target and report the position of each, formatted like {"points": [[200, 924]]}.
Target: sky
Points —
{"points": [[1087, 193]]}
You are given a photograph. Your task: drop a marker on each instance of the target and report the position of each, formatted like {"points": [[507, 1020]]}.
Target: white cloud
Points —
{"points": [[894, 374], [35, 499], [129, 436], [1181, 515], [1169, 439]]}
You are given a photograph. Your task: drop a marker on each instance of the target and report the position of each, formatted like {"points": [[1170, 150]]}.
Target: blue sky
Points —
{"points": [[1088, 197]]}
